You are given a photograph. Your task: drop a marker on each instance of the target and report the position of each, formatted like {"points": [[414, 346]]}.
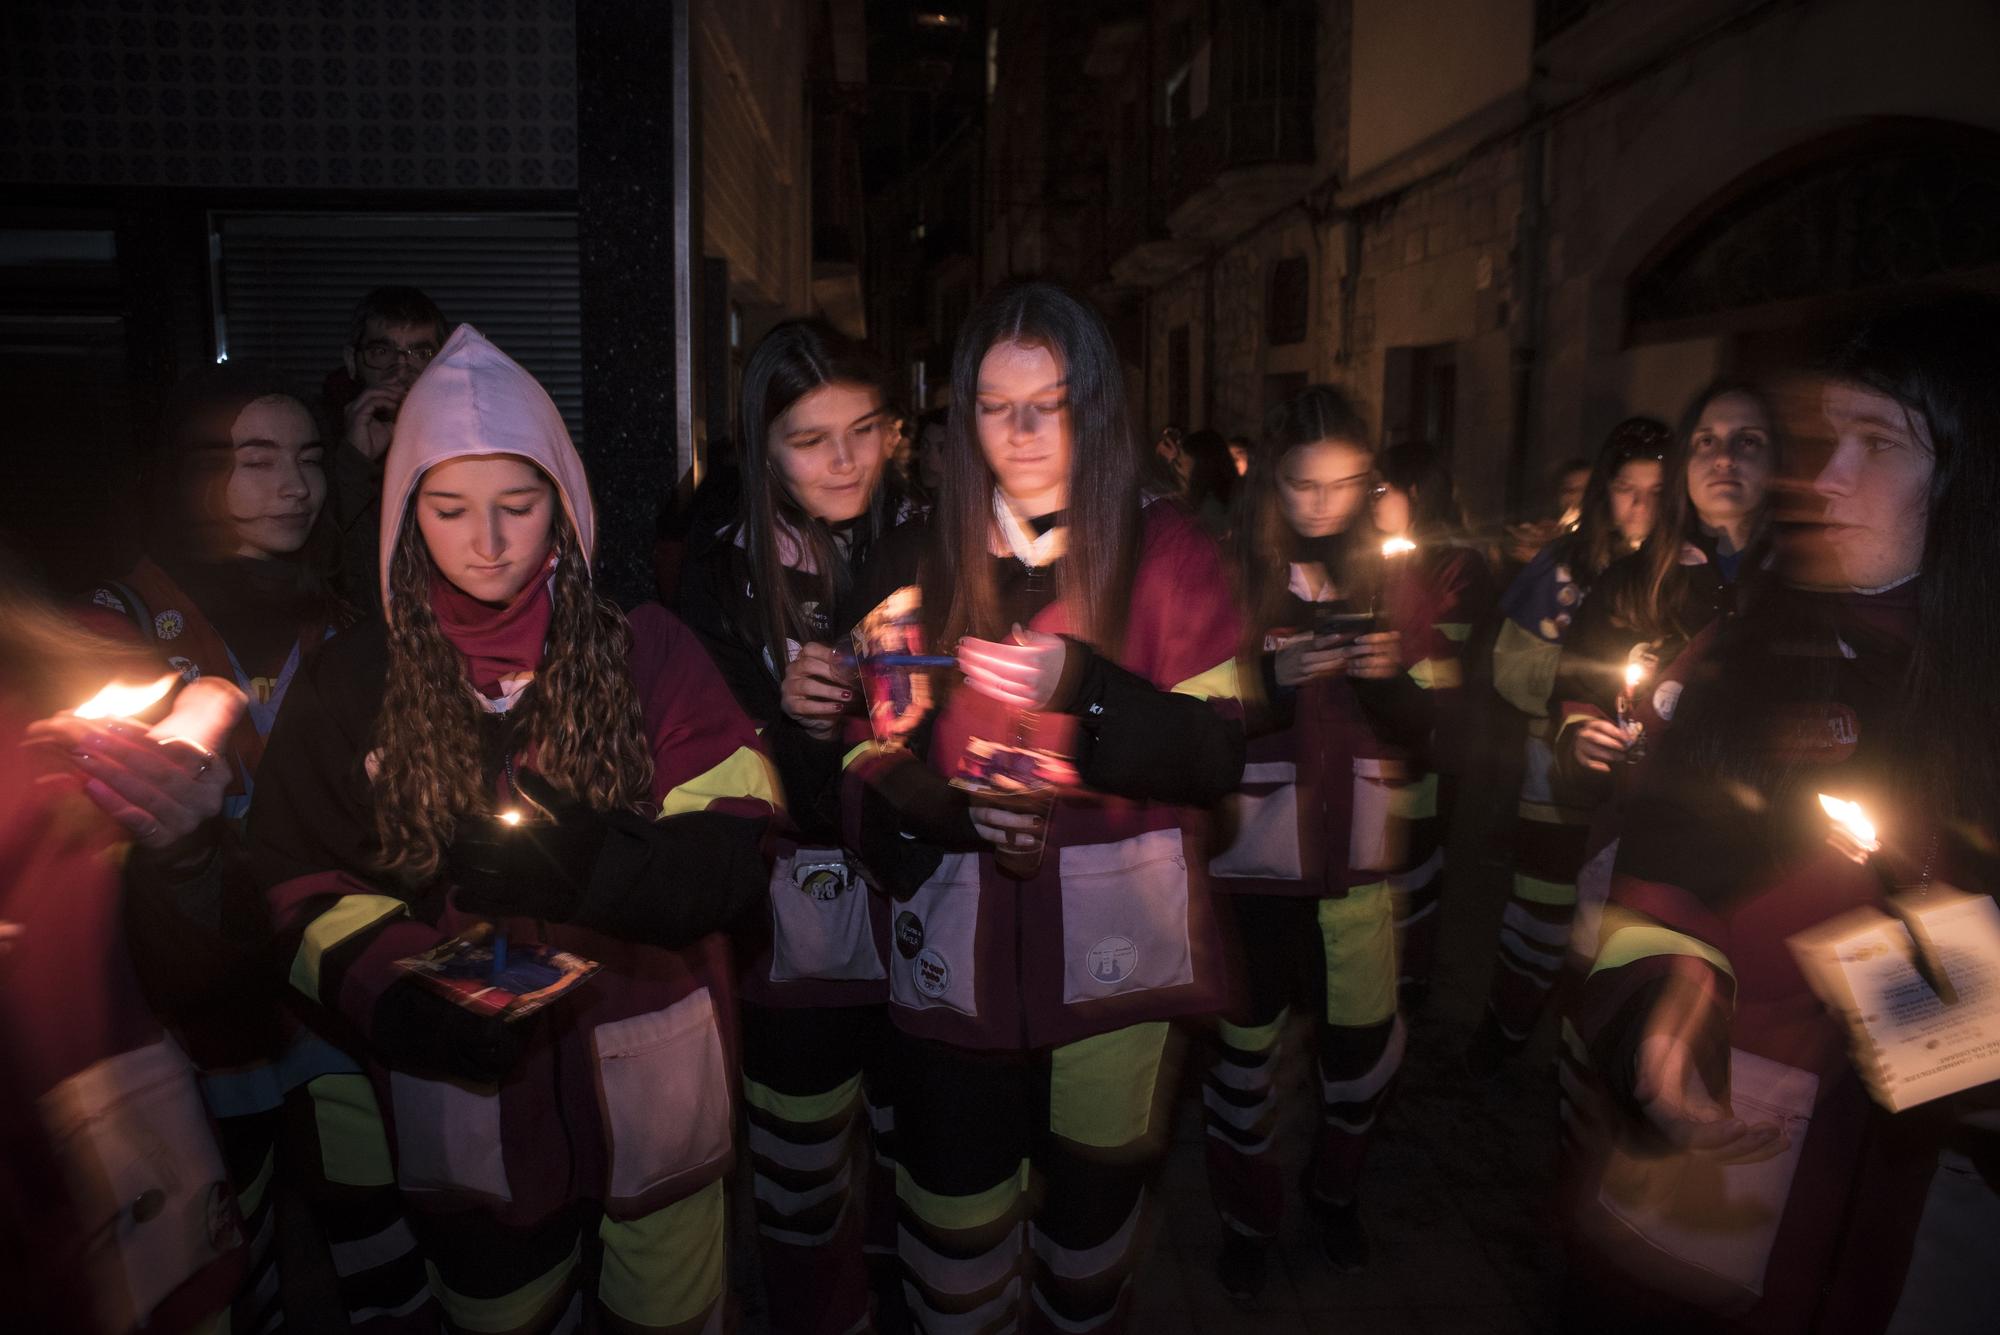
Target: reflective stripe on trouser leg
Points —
{"points": [[1357, 1071], [1535, 926], [1361, 1043], [1418, 894], [803, 1162], [667, 1271], [248, 1146], [1239, 1097], [1092, 1167], [337, 1151], [962, 1255]]}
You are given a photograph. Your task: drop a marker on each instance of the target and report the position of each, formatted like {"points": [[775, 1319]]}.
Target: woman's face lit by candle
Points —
{"points": [[488, 520], [1876, 485], [1323, 485], [1022, 412], [277, 478]]}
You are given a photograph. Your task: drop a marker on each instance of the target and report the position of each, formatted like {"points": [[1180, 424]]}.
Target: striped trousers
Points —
{"points": [[1339, 955], [1020, 1180]]}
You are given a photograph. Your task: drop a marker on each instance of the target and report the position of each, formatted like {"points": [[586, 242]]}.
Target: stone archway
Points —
{"points": [[1822, 232]]}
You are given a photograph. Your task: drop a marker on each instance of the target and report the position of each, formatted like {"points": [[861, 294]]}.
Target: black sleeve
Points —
{"points": [[1136, 740], [1590, 671], [1278, 705], [809, 772], [671, 882], [718, 619]]}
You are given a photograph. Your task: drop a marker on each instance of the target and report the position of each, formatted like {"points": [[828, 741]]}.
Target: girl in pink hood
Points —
{"points": [[570, 1163]]}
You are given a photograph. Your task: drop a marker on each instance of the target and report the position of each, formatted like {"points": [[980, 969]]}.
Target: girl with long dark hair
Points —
{"points": [[1620, 506], [509, 757], [1695, 1034], [235, 586], [1416, 501], [814, 427], [1341, 645], [1713, 533], [1041, 946]]}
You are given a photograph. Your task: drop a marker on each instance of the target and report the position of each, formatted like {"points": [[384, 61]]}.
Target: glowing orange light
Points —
{"points": [[1398, 547], [510, 817], [1849, 819], [121, 701], [1634, 674]]}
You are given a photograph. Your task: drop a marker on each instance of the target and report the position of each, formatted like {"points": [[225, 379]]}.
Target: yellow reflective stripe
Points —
{"points": [[667, 1268], [1537, 891], [514, 1310], [350, 914], [745, 774], [1218, 683], [804, 1109], [1101, 1088], [1570, 720], [1640, 939], [962, 1212], [1415, 801], [1438, 674], [1359, 933], [1548, 813], [856, 754], [1254, 1038], [353, 1145], [1458, 632]]}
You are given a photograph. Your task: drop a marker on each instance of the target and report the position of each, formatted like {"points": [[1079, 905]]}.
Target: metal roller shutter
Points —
{"points": [[285, 285]]}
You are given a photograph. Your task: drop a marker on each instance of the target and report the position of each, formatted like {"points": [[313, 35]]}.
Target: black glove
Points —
{"points": [[909, 817], [416, 1030], [539, 868]]}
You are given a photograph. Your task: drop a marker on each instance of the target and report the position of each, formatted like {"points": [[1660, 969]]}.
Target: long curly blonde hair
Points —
{"points": [[582, 724]]}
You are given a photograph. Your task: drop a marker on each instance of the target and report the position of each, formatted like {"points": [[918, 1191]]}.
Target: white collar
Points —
{"points": [[1032, 552]]}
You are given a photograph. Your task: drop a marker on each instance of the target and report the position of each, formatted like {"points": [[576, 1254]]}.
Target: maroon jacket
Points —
{"points": [[1115, 927], [114, 1195], [1332, 776]]}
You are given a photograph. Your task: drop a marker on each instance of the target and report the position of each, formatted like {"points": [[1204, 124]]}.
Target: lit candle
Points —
{"points": [[121, 701], [1635, 677], [510, 817], [1397, 547], [1853, 832]]}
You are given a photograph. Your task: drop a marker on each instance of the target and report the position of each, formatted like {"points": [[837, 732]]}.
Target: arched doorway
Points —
{"points": [[1820, 234]]}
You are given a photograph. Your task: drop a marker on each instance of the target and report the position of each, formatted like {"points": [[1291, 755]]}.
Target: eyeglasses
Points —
{"points": [[1378, 490], [380, 355]]}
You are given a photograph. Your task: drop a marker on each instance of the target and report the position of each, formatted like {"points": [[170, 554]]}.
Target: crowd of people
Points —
{"points": [[988, 762]]}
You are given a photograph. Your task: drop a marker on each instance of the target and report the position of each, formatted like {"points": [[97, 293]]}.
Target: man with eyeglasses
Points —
{"points": [[395, 333]]}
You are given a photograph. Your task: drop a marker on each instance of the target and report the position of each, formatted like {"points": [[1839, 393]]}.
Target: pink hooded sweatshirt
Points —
{"points": [[474, 399]]}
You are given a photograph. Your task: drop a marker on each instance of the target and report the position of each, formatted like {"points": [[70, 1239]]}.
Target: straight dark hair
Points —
{"points": [[1651, 604], [794, 359], [1094, 578], [1596, 543], [1937, 360], [393, 306], [1417, 470], [1262, 549]]}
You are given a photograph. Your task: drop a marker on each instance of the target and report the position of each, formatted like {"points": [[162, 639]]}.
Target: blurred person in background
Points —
{"points": [[1619, 507], [394, 334], [1415, 500], [1695, 1050]]}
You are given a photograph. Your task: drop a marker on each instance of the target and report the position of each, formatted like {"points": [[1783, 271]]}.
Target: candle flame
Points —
{"points": [[510, 817], [1851, 819], [1634, 674], [1398, 547], [118, 700]]}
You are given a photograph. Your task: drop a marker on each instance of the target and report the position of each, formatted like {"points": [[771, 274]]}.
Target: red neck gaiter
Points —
{"points": [[495, 642]]}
